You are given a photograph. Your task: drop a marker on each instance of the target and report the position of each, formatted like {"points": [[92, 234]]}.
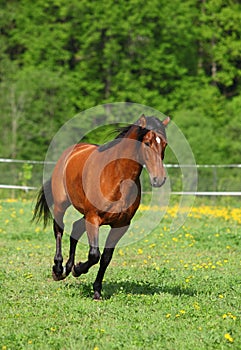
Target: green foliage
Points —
{"points": [[26, 174], [58, 58], [220, 30]]}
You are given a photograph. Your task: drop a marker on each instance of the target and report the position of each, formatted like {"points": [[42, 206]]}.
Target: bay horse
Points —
{"points": [[102, 183]]}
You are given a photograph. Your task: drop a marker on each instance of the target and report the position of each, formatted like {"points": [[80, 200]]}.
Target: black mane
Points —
{"points": [[153, 123]]}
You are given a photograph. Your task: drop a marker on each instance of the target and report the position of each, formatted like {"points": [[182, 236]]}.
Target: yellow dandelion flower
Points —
{"points": [[139, 251], [120, 252], [228, 337], [196, 306], [11, 200], [231, 316]]}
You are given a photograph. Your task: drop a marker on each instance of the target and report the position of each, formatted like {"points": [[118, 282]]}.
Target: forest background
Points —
{"points": [[182, 58]]}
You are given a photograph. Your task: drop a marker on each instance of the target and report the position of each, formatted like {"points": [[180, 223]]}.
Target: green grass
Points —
{"points": [[172, 291]]}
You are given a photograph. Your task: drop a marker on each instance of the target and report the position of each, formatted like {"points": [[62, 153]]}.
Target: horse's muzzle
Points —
{"points": [[156, 182]]}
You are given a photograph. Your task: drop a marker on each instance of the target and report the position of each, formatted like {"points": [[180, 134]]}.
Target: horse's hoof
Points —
{"points": [[97, 296], [57, 277], [74, 273]]}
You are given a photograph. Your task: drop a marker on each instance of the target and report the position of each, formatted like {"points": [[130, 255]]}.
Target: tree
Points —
{"points": [[59, 58], [220, 33]]}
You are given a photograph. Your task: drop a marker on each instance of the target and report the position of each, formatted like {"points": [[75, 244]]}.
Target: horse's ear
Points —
{"points": [[166, 121], [142, 121]]}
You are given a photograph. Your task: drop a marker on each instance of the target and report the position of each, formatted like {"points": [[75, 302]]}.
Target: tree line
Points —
{"points": [[182, 58]]}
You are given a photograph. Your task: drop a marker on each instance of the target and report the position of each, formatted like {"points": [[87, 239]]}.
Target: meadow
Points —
{"points": [[168, 291]]}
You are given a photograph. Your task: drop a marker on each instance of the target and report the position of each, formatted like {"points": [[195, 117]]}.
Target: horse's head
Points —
{"points": [[153, 147]]}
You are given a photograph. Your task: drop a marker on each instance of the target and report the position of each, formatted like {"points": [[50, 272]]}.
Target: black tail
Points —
{"points": [[43, 204]]}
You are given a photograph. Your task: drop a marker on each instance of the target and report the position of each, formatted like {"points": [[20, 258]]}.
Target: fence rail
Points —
{"points": [[16, 187], [22, 161], [211, 190]]}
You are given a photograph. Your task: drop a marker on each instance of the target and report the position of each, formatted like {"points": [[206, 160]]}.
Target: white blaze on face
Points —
{"points": [[158, 140]]}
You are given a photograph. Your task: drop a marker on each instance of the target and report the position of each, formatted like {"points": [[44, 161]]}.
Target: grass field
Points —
{"points": [[172, 291]]}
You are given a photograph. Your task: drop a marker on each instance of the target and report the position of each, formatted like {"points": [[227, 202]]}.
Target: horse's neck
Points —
{"points": [[128, 159]]}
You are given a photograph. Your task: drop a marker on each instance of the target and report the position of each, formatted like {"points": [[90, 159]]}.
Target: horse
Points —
{"points": [[103, 183]]}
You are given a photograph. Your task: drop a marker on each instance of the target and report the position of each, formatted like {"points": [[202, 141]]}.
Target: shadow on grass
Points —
{"points": [[130, 288], [143, 288]]}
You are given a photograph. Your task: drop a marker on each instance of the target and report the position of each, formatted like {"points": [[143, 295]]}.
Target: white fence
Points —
{"points": [[215, 188]]}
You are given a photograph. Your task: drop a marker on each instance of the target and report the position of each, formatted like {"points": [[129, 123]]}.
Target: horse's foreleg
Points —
{"points": [[94, 252], [77, 231], [112, 239], [58, 271], [83, 267], [104, 262]]}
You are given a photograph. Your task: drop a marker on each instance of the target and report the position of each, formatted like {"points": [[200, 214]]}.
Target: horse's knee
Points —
{"points": [[94, 255]]}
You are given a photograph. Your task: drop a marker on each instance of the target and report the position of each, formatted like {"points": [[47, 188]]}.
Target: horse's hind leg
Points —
{"points": [[58, 271], [77, 231]]}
